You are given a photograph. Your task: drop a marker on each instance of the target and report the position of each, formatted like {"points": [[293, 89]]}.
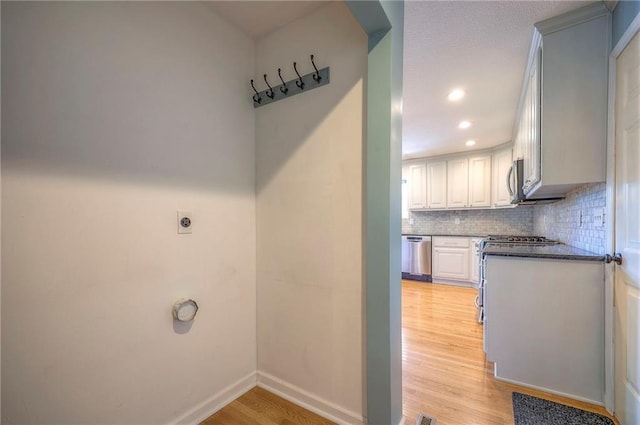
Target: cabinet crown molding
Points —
{"points": [[573, 17], [463, 154]]}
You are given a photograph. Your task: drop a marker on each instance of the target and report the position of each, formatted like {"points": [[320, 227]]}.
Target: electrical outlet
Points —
{"points": [[411, 221], [456, 220], [598, 217], [579, 218], [185, 222]]}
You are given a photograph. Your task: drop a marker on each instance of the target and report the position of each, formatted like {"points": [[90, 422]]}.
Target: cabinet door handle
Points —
{"points": [[509, 181]]}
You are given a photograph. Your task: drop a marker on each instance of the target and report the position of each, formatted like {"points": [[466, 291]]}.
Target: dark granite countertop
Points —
{"points": [[558, 252], [447, 235]]}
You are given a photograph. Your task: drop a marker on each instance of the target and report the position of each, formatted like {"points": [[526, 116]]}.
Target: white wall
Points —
{"points": [[115, 115], [0, 220], [309, 156]]}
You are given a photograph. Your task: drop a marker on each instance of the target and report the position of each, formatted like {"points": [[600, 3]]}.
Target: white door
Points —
{"points": [[451, 263], [474, 257], [627, 235], [480, 181], [458, 183], [418, 186], [437, 184]]}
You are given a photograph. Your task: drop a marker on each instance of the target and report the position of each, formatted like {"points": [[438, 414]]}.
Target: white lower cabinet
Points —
{"points": [[474, 259], [544, 324], [451, 258]]}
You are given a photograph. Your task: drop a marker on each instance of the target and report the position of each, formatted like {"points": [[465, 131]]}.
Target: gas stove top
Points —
{"points": [[520, 240]]}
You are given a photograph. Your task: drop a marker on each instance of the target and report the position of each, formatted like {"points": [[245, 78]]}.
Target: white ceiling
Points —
{"points": [[258, 18], [480, 46]]}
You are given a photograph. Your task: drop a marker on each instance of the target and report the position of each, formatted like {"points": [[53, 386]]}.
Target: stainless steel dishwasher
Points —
{"points": [[416, 257]]}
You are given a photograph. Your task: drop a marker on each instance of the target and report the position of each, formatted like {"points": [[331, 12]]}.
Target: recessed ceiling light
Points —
{"points": [[470, 142], [456, 94], [464, 124]]}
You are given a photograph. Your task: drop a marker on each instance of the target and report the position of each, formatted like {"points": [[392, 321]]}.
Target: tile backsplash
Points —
{"points": [[561, 220], [558, 221], [508, 221]]}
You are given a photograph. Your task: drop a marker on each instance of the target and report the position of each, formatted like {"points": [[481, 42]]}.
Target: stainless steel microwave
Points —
{"points": [[515, 182], [515, 178]]}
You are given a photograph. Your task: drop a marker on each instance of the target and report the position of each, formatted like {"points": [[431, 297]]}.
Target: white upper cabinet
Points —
{"points": [[530, 125], [502, 161], [437, 184], [458, 183], [562, 117], [417, 185], [480, 181]]}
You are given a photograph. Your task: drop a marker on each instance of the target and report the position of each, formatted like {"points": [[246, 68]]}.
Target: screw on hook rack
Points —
{"points": [[316, 76], [299, 82], [256, 97]]}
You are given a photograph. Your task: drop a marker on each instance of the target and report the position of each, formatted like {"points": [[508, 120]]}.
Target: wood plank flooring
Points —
{"points": [[260, 407], [445, 374]]}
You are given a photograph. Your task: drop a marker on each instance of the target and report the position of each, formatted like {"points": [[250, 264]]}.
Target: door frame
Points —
{"points": [[609, 395]]}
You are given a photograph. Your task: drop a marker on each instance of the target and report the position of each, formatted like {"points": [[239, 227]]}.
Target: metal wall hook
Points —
{"points": [[256, 97], [269, 92], [316, 76], [284, 89], [299, 82]]}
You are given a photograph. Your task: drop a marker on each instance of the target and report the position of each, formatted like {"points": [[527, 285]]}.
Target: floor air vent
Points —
{"points": [[425, 420]]}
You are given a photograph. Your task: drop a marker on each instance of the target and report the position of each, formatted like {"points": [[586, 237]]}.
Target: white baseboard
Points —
{"points": [[550, 391], [455, 283], [210, 406], [309, 401]]}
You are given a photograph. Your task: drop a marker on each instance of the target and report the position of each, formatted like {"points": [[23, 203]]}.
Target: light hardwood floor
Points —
{"points": [[260, 407], [445, 374]]}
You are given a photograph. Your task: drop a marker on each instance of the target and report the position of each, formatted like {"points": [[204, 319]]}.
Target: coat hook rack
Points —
{"points": [[304, 83]]}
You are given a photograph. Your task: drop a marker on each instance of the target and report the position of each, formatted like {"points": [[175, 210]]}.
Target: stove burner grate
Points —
{"points": [[519, 239]]}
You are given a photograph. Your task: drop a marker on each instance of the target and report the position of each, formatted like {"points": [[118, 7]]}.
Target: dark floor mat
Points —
{"points": [[529, 410]]}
